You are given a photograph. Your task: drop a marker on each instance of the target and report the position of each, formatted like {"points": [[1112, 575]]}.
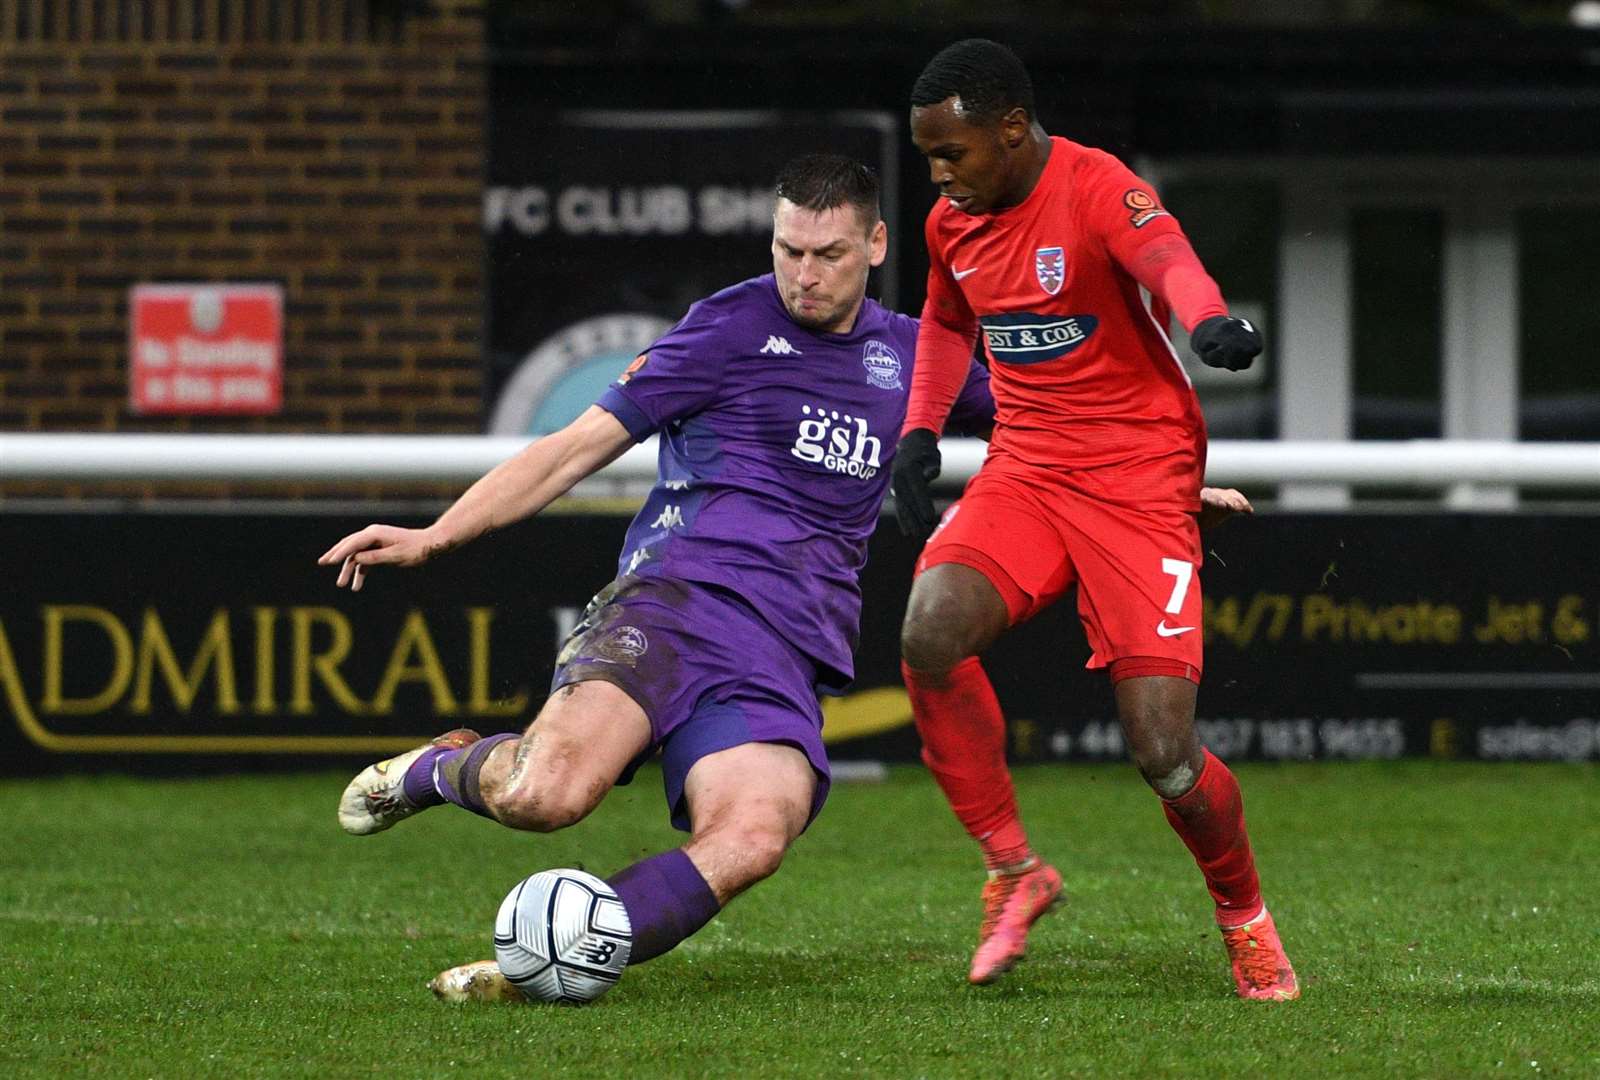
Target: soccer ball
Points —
{"points": [[562, 935]]}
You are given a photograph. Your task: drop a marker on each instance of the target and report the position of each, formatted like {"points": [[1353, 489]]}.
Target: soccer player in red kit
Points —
{"points": [[1070, 267]]}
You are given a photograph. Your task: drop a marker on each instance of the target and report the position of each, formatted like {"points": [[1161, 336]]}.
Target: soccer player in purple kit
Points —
{"points": [[778, 401]]}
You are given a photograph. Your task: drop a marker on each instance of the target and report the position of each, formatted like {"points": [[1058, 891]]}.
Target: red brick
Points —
{"points": [[187, 62], [109, 114], [74, 307], [224, 89], [259, 114], [113, 61], [161, 144], [48, 143], [36, 167], [108, 226], [68, 88], [121, 169], [34, 114], [260, 62], [29, 225], [283, 91], [145, 88], [315, 115], [71, 197], [186, 114]]}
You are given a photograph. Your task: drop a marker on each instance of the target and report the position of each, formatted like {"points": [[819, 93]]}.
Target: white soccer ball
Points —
{"points": [[562, 935]]}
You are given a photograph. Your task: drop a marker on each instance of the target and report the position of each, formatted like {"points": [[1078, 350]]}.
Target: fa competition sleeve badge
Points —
{"points": [[629, 372], [1143, 205]]}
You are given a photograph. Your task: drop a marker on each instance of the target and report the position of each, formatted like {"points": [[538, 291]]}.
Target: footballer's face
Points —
{"points": [[977, 166], [821, 260]]}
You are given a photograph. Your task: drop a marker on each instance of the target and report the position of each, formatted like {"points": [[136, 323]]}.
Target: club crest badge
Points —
{"points": [[624, 645], [1050, 264], [883, 366]]}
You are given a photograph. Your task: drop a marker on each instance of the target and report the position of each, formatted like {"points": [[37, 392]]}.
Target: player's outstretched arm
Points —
{"points": [[516, 488], [1168, 267], [1219, 504]]}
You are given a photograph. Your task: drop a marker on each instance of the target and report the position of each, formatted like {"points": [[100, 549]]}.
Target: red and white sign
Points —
{"points": [[205, 349]]}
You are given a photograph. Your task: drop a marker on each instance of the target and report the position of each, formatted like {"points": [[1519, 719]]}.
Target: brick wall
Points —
{"points": [[332, 146]]}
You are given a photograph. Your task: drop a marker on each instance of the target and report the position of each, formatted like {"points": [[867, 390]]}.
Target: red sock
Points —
{"points": [[964, 746], [1210, 818]]}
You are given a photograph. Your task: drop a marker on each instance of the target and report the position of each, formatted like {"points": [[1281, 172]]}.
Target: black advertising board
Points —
{"points": [[169, 640], [602, 227]]}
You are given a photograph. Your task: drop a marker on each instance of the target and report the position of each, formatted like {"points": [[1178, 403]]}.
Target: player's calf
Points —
{"points": [[570, 757], [667, 898], [739, 855], [542, 810]]}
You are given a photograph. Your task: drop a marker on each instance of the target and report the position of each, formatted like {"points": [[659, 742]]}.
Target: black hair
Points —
{"points": [[819, 182], [988, 78]]}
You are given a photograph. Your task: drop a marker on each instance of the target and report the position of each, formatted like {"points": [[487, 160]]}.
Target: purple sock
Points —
{"points": [[451, 775], [666, 900]]}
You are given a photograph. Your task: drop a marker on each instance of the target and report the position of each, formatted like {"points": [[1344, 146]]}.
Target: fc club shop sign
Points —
{"points": [[215, 349], [601, 228], [1326, 637]]}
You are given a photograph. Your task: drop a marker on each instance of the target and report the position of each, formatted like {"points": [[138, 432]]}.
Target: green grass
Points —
{"points": [[1443, 918]]}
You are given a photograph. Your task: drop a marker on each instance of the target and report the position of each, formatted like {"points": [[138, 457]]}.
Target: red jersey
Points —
{"points": [[1086, 383]]}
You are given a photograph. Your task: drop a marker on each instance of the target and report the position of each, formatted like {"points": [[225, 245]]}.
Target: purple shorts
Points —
{"points": [[708, 672]]}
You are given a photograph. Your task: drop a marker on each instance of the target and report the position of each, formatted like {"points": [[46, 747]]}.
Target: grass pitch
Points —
{"points": [[1442, 917]]}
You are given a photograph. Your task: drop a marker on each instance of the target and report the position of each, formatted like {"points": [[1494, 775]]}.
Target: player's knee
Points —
{"points": [[1167, 764], [929, 644], [953, 613], [1173, 784]]}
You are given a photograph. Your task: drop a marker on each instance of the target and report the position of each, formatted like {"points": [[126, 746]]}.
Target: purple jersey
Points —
{"points": [[775, 451]]}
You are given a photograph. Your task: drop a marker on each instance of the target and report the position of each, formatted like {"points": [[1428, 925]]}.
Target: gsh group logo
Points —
{"points": [[838, 442]]}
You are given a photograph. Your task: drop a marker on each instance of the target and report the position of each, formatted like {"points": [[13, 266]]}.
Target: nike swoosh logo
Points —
{"points": [[1171, 631], [959, 274]]}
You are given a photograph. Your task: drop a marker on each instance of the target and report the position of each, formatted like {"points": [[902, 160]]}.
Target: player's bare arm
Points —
{"points": [[1219, 504], [517, 488]]}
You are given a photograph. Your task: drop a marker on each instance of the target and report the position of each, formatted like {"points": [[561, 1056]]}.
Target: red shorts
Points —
{"points": [[1137, 571]]}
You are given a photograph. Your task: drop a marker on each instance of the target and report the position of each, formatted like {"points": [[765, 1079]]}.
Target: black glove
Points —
{"points": [[916, 465], [1226, 342]]}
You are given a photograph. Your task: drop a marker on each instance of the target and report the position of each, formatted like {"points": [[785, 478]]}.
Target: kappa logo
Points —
{"points": [[779, 346], [671, 517], [883, 366], [1050, 267]]}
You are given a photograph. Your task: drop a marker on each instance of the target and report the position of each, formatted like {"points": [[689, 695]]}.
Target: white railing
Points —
{"points": [[460, 459]]}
